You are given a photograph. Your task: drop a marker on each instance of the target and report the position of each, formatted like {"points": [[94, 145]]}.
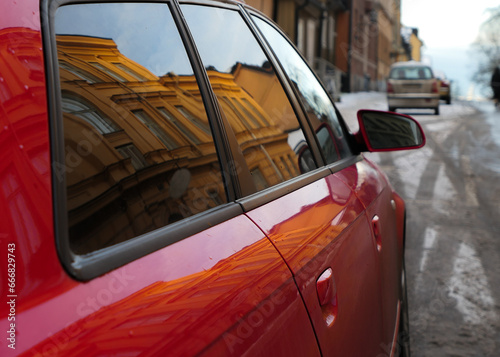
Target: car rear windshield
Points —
{"points": [[411, 73]]}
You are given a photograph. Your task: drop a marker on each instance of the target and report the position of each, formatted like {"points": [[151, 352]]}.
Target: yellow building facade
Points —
{"points": [[412, 45], [389, 37]]}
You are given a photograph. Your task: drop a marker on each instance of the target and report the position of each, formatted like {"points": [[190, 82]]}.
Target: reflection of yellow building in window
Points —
{"points": [[246, 97], [139, 150]]}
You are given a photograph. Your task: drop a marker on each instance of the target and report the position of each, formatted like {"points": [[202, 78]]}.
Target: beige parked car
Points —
{"points": [[444, 87], [412, 85]]}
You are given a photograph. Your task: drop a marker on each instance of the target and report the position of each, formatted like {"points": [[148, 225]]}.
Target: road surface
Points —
{"points": [[452, 191]]}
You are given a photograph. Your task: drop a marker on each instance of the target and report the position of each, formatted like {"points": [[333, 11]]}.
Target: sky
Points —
{"points": [[136, 33], [448, 28]]}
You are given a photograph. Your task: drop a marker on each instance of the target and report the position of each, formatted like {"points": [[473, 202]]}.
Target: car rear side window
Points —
{"points": [[250, 95], [319, 108], [139, 151]]}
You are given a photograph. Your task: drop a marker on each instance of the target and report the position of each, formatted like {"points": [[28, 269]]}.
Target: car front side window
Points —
{"points": [[317, 104], [250, 95]]}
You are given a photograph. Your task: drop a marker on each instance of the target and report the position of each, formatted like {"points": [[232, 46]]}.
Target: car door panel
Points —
{"points": [[373, 190], [319, 227], [362, 249], [216, 293], [364, 180]]}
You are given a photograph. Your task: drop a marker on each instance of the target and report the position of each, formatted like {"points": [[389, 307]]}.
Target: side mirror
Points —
{"points": [[386, 131]]}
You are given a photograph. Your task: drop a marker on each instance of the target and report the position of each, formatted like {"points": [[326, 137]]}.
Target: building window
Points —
{"points": [[255, 111], [130, 151], [82, 74], [247, 113], [108, 71], [130, 72], [155, 129], [89, 114], [239, 115], [179, 125], [194, 119]]}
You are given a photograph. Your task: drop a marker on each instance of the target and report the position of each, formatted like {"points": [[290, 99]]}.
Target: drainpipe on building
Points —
{"points": [[297, 10], [320, 36], [349, 53]]}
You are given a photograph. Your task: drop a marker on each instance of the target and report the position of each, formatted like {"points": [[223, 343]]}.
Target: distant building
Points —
{"points": [[350, 44], [411, 45], [389, 38]]}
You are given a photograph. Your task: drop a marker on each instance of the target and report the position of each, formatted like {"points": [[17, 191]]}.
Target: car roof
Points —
{"points": [[409, 64]]}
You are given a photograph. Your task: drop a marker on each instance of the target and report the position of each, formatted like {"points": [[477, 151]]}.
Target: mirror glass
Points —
{"points": [[386, 131]]}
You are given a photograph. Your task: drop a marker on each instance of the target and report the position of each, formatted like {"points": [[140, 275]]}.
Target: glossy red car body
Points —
{"points": [[314, 272]]}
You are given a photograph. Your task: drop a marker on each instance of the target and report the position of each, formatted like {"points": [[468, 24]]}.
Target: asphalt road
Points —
{"points": [[452, 191]]}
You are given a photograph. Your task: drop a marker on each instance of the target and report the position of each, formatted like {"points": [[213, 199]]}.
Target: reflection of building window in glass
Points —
{"points": [[171, 118], [130, 72], [285, 165], [293, 164], [108, 71], [79, 72], [155, 129], [255, 111], [247, 113], [258, 179], [89, 114], [238, 114], [130, 151], [194, 119]]}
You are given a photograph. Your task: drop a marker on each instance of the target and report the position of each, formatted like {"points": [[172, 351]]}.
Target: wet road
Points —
{"points": [[452, 191]]}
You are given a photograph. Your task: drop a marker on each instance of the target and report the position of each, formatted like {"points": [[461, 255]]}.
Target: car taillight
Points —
{"points": [[389, 88], [434, 87], [445, 84]]}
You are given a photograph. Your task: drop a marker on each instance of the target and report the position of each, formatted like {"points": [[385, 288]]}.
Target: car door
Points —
{"points": [[146, 252], [382, 207], [311, 216], [363, 253]]}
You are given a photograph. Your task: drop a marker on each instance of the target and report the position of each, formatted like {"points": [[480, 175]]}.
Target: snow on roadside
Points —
{"points": [[350, 103]]}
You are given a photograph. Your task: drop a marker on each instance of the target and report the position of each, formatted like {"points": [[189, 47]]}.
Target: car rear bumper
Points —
{"points": [[444, 94], [413, 101]]}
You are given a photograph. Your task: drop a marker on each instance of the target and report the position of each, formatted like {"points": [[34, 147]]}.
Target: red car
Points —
{"points": [[175, 181]]}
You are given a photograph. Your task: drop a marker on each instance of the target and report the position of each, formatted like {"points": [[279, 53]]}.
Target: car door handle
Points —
{"points": [[376, 232], [326, 289]]}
